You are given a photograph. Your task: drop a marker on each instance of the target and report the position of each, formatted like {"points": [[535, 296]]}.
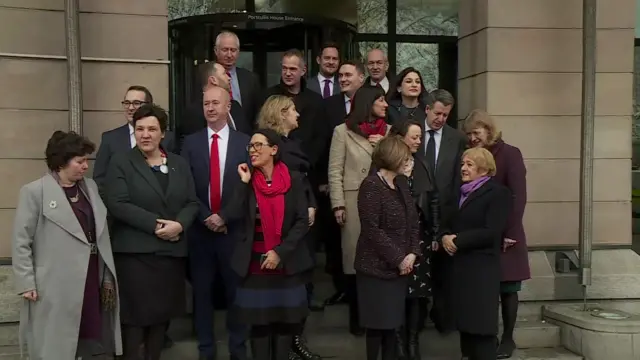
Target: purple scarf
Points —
{"points": [[467, 188]]}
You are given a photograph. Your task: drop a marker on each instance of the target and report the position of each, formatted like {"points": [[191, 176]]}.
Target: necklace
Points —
{"points": [[76, 198]]}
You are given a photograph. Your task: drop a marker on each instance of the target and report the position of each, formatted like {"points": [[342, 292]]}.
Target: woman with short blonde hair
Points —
{"points": [[273, 114], [511, 172]]}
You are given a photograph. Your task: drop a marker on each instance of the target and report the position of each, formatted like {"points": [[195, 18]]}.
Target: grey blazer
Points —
{"points": [[50, 255]]}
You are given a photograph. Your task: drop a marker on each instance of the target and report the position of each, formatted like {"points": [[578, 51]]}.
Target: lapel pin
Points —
{"points": [[53, 204]]}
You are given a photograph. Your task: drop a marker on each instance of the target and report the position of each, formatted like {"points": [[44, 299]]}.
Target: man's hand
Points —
{"points": [[214, 223], [312, 216]]}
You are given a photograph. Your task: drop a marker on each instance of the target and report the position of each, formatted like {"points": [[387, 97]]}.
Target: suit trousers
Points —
{"points": [[209, 256]]}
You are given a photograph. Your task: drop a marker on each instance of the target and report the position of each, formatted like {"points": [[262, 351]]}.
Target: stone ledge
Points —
{"points": [[592, 337]]}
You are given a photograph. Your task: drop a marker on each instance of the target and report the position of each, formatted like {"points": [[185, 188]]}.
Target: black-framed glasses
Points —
{"points": [[136, 103], [257, 146]]}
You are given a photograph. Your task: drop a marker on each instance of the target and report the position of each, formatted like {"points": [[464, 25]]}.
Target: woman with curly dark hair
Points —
{"points": [[62, 261]]}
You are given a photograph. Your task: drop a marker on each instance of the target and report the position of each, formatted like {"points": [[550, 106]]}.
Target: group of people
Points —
{"points": [[245, 190]]}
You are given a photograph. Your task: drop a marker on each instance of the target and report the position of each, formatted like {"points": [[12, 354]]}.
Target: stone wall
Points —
{"points": [[521, 61]]}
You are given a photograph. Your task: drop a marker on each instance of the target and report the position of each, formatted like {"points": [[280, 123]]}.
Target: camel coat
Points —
{"points": [[51, 256], [349, 165]]}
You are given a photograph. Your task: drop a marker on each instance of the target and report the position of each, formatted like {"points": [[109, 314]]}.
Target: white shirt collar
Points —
{"points": [[130, 128], [322, 78], [223, 133], [384, 83], [426, 126]]}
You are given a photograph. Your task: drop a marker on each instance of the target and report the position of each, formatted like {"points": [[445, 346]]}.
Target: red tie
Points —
{"points": [[214, 176], [230, 87]]}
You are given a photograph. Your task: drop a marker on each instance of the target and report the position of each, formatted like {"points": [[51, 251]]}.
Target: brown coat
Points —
{"points": [[512, 173]]}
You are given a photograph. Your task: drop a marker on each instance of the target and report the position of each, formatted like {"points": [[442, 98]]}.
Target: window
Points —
{"points": [[427, 17], [372, 16], [365, 47], [183, 8], [423, 57]]}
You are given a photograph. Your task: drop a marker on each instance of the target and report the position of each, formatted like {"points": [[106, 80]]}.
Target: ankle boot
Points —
{"points": [[414, 320], [300, 348], [401, 341], [260, 348], [414, 345], [280, 346]]}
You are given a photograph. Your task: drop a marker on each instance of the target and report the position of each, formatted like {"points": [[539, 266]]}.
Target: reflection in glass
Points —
{"points": [[274, 67], [423, 57], [245, 60], [365, 47], [372, 16], [183, 8], [427, 17]]}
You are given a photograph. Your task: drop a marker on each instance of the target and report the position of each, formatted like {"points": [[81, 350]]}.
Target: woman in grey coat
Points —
{"points": [[62, 260]]}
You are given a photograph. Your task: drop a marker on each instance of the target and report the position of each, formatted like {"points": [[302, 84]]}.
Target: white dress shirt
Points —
{"points": [[437, 137], [384, 83], [132, 137], [347, 104], [223, 142], [321, 80]]}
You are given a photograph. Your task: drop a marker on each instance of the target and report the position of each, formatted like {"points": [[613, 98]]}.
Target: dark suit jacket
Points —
{"points": [[334, 114], [136, 200], [117, 141], [475, 273], [250, 93], [512, 173], [195, 121], [314, 85], [294, 254], [196, 152], [447, 175]]}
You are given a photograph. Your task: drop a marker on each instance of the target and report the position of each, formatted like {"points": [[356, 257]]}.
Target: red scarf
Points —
{"points": [[270, 201], [377, 127]]}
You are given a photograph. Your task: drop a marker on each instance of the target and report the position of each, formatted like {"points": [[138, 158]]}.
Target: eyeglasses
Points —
{"points": [[256, 146], [136, 103]]}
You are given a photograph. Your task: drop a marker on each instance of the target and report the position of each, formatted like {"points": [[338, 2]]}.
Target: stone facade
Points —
{"points": [[122, 42], [522, 62]]}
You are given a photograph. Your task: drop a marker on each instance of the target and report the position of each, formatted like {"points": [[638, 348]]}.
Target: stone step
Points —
{"points": [[530, 331]]}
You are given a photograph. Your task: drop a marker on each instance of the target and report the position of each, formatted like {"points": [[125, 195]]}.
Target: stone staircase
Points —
{"points": [[326, 332]]}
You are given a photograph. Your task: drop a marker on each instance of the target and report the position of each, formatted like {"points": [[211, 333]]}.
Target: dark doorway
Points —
{"points": [[263, 39]]}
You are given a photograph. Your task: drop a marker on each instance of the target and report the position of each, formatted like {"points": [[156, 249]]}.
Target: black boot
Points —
{"points": [[354, 317], [401, 341], [414, 319], [509, 304], [300, 349], [260, 348], [388, 348], [280, 345]]}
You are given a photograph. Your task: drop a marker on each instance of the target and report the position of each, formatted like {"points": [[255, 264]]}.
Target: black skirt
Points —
{"points": [[264, 299], [381, 302], [152, 288]]}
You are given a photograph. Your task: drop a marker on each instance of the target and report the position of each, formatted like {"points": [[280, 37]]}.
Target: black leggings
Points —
{"points": [[381, 341], [143, 342], [258, 331]]}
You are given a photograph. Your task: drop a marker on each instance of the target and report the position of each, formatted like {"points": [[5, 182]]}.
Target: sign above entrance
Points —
{"points": [[275, 17], [264, 19]]}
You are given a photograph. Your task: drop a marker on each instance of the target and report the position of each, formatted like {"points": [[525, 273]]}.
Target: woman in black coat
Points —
{"points": [[280, 115], [474, 241], [272, 260]]}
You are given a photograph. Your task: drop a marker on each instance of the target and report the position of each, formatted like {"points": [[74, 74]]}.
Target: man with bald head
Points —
{"points": [[377, 66], [214, 154], [212, 74]]}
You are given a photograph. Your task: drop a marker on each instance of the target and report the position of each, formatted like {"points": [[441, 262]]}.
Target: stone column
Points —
{"points": [[521, 61], [123, 43]]}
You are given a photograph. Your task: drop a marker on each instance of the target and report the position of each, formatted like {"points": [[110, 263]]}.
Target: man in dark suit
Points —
{"points": [[326, 82], [213, 74], [442, 148], [121, 138], [351, 75], [214, 153], [245, 86]]}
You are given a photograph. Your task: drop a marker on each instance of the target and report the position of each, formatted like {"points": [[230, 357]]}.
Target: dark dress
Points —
{"points": [[426, 202], [152, 287], [475, 267], [276, 296], [389, 232], [512, 173], [91, 335]]}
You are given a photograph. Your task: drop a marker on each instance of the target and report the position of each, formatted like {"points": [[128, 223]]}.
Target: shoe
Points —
{"points": [[506, 348], [336, 299], [300, 348], [293, 356], [168, 343], [401, 341]]}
